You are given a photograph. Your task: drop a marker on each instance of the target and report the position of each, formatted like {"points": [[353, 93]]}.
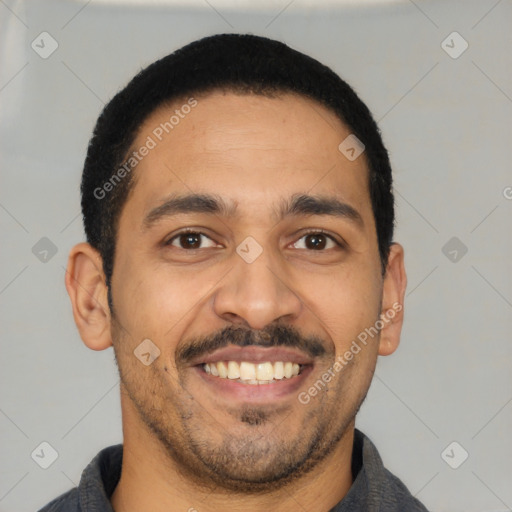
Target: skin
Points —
{"points": [[185, 446]]}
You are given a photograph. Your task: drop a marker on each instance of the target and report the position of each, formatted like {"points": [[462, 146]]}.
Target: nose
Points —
{"points": [[258, 293]]}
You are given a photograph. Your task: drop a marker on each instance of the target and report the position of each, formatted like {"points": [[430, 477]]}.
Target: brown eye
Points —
{"points": [[316, 242], [189, 240]]}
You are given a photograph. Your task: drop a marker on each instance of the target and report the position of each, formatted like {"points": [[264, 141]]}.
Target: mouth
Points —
{"points": [[254, 374]]}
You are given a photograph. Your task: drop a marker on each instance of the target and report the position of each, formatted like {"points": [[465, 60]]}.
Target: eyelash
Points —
{"points": [[310, 232]]}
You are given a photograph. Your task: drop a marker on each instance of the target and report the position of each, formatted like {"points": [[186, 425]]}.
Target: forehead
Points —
{"points": [[249, 149]]}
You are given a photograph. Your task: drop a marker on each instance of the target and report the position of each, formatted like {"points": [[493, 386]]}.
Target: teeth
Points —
{"points": [[222, 369], [233, 370], [265, 371], [249, 373], [278, 370]]}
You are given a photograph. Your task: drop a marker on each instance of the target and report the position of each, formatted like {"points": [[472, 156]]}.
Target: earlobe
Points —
{"points": [[393, 294], [85, 283]]}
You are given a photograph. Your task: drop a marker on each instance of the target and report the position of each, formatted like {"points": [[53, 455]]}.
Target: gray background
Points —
{"points": [[446, 122]]}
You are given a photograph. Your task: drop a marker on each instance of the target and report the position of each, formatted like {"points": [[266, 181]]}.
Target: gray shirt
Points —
{"points": [[374, 488]]}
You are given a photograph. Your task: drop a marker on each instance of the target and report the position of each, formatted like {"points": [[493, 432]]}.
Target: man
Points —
{"points": [[237, 202]]}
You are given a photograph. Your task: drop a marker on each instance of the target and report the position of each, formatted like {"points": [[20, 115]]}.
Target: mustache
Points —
{"points": [[271, 336]]}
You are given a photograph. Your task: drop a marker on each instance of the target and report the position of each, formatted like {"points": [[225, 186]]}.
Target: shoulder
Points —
{"points": [[397, 496], [384, 488], [97, 483], [66, 502]]}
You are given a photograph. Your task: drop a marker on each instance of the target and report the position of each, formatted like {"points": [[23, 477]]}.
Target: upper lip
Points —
{"points": [[254, 354]]}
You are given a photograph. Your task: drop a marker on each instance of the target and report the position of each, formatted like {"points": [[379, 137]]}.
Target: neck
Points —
{"points": [[151, 481]]}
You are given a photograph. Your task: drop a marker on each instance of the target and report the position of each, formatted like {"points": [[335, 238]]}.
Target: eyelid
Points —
{"points": [[309, 231], [314, 231], [196, 231]]}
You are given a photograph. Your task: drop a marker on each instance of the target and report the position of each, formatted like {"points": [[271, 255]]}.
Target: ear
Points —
{"points": [[393, 293], [86, 286]]}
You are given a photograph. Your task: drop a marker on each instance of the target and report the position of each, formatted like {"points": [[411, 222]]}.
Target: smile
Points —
{"points": [[253, 373]]}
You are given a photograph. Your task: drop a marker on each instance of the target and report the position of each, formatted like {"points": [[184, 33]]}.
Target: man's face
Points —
{"points": [[258, 286]]}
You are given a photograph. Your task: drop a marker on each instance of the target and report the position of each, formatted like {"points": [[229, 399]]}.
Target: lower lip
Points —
{"points": [[231, 389]]}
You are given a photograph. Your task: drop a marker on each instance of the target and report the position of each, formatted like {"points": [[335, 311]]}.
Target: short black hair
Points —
{"points": [[242, 63]]}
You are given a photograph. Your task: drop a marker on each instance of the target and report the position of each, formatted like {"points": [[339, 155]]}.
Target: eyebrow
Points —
{"points": [[297, 205]]}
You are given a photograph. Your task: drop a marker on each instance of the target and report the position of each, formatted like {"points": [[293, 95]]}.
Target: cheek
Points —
{"points": [[349, 308], [157, 302], [137, 299]]}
